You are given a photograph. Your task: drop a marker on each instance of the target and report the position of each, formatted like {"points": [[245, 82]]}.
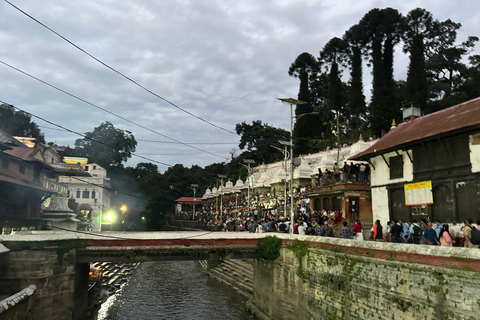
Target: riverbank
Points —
{"points": [[237, 274], [112, 276]]}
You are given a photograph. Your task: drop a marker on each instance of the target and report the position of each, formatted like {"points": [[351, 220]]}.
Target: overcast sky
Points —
{"points": [[223, 61]]}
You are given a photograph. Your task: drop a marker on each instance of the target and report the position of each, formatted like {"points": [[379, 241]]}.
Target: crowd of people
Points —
{"points": [[332, 224], [428, 233], [352, 173]]}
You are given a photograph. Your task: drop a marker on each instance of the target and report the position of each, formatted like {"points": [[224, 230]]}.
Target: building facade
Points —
{"points": [[428, 167]]}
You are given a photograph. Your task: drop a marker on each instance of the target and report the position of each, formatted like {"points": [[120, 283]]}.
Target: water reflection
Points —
{"points": [[173, 290]]}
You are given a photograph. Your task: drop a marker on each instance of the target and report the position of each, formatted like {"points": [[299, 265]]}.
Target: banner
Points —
{"points": [[418, 193]]}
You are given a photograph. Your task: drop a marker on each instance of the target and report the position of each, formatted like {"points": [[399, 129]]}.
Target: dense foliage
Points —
{"points": [[19, 123], [437, 76], [269, 247]]}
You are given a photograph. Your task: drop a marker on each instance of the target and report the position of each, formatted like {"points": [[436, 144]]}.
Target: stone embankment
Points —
{"points": [[237, 274], [113, 277]]}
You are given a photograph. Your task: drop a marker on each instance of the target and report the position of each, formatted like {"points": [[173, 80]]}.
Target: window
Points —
{"points": [[85, 194], [68, 193], [86, 168], [22, 169], [396, 167], [94, 167], [78, 193], [93, 194], [5, 163], [36, 174]]}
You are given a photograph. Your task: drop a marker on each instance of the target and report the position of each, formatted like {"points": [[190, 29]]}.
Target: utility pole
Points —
{"points": [[221, 176], [291, 102], [248, 162], [194, 187], [286, 156]]}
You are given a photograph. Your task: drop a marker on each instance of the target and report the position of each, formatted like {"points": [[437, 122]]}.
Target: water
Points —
{"points": [[174, 290]]}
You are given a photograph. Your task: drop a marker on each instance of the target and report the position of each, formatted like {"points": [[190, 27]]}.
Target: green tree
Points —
{"points": [[445, 67], [330, 57], [383, 32], [419, 27], [471, 85], [258, 137], [355, 38], [305, 67], [19, 123], [106, 145]]}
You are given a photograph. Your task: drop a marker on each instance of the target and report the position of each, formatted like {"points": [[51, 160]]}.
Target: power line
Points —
{"points": [[160, 141], [118, 72], [80, 134], [105, 110]]}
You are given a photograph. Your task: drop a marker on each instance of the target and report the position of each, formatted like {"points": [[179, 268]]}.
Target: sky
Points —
{"points": [[204, 65]]}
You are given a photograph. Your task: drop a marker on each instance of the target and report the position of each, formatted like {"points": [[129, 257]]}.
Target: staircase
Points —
{"points": [[236, 273]]}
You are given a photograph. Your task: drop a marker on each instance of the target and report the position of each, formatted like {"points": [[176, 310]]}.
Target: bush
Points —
{"points": [[269, 248]]}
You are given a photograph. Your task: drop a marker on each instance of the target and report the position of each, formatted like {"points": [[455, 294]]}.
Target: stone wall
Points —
{"points": [[335, 279], [52, 269]]}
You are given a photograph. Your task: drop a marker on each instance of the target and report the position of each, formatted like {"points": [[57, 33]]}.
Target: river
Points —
{"points": [[173, 290]]}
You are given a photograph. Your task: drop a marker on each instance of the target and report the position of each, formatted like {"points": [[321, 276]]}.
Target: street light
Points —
{"points": [[248, 162], [291, 102], [194, 186], [123, 208], [286, 143], [221, 176]]}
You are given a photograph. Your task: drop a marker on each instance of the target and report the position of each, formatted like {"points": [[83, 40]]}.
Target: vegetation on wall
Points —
{"points": [[269, 248]]}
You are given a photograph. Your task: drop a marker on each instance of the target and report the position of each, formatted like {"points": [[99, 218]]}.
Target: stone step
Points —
{"points": [[231, 271], [228, 280], [239, 266]]}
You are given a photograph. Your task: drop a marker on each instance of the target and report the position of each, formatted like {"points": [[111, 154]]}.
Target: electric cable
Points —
{"points": [[82, 135], [118, 72], [105, 110], [160, 141]]}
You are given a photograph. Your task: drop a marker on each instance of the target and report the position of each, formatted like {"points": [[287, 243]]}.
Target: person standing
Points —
{"points": [[467, 231], [438, 228], [361, 173], [395, 231], [406, 231], [377, 231], [445, 237], [357, 229], [327, 232], [346, 232], [429, 235], [301, 228]]}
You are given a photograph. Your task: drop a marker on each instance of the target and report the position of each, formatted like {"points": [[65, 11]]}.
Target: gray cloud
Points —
{"points": [[225, 61]]}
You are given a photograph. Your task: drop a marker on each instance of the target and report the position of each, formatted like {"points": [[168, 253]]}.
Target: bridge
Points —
{"points": [[314, 277], [141, 246]]}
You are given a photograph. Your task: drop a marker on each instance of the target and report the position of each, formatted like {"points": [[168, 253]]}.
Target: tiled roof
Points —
{"points": [[189, 199], [459, 118]]}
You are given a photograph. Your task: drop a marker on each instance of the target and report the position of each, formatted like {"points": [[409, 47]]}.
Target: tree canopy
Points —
{"points": [[258, 137], [106, 145], [19, 123], [437, 75]]}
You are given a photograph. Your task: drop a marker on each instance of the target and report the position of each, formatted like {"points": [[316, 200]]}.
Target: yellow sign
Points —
{"points": [[418, 193]]}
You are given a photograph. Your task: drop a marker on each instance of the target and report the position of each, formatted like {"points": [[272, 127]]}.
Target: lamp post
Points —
{"points": [[123, 209], [291, 102], [286, 155], [248, 162], [221, 176], [194, 187]]}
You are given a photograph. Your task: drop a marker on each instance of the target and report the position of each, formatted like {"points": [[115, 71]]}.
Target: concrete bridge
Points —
{"points": [[314, 277]]}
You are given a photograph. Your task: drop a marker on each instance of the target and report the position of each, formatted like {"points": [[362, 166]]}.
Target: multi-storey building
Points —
{"points": [[92, 193]]}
